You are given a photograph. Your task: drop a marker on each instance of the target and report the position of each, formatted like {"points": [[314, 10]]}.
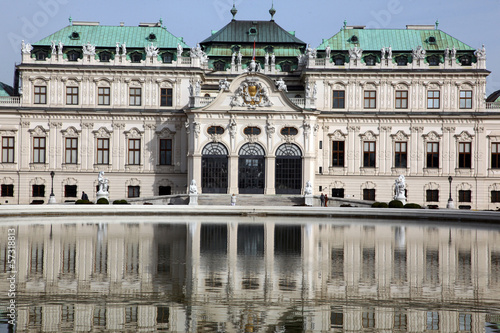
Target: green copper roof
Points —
{"points": [[108, 36], [248, 31], [398, 39], [247, 51], [5, 90]]}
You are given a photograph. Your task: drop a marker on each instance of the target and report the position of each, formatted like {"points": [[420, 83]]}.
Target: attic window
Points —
{"points": [[432, 40], [152, 36], [354, 39], [104, 57], [252, 31], [41, 55], [433, 60], [370, 60], [136, 57], [75, 35], [215, 130], [465, 60], [402, 60], [73, 55]]}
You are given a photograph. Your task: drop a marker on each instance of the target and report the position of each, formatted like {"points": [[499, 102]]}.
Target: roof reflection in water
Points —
{"points": [[246, 275]]}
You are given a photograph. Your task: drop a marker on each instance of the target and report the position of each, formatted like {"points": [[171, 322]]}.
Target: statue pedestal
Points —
{"points": [[102, 194], [401, 198], [309, 199], [52, 199], [193, 199], [450, 204]]}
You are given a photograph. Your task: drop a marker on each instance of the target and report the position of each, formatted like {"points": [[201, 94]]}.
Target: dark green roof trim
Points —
{"points": [[108, 36], [398, 39], [6, 90], [241, 32]]}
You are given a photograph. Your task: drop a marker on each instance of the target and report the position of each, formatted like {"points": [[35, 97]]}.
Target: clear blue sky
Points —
{"points": [[474, 23]]}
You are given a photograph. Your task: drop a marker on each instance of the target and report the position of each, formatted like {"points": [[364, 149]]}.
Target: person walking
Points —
{"points": [[322, 199], [326, 200], [85, 197], [233, 200]]}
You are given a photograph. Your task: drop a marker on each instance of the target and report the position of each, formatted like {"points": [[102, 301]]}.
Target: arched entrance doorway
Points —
{"points": [[214, 172], [251, 169], [288, 171]]}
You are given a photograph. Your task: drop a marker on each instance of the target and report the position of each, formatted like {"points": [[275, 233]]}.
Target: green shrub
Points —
{"points": [[375, 204], [102, 201], [412, 206], [120, 202], [396, 204], [83, 202], [380, 205]]}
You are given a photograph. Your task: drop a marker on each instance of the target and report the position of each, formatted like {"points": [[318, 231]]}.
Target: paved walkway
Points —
{"points": [[299, 214]]}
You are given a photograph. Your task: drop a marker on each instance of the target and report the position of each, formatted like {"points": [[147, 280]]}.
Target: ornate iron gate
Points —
{"points": [[251, 169], [288, 169], [214, 168]]}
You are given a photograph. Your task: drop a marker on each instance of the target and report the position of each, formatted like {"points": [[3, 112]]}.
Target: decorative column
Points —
{"points": [[352, 151], [270, 158], [118, 151], [55, 146]]}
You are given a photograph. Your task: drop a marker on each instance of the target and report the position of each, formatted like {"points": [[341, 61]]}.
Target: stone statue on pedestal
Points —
{"points": [[103, 187], [193, 193], [399, 189]]}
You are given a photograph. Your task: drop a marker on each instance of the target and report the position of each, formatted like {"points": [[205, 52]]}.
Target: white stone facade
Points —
{"points": [[118, 104]]}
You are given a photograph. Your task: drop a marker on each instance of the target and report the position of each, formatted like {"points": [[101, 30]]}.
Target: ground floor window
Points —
{"points": [[432, 196], [464, 196], [495, 196], [38, 190], [70, 191], [165, 190], [369, 194], [134, 191], [337, 192], [7, 190]]}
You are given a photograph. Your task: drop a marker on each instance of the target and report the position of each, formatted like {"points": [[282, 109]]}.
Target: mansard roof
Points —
{"points": [[494, 97], [265, 32], [398, 39], [108, 36]]}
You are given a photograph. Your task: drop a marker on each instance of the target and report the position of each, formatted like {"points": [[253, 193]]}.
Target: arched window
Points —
{"points": [[465, 60], [433, 60], [288, 170], [167, 58], [219, 66], [104, 57], [339, 60], [136, 57], [41, 55], [370, 60], [286, 67], [214, 168], [251, 169], [73, 55], [402, 60]]}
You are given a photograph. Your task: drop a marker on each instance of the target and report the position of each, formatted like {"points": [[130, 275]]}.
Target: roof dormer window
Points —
{"points": [[152, 36], [354, 39], [74, 35], [252, 31], [73, 55], [432, 40], [41, 56]]}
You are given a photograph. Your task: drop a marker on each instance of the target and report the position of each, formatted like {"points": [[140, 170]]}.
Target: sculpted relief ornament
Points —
{"points": [[251, 93]]}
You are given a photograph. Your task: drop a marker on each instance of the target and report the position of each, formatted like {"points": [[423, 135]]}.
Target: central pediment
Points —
{"points": [[252, 92]]}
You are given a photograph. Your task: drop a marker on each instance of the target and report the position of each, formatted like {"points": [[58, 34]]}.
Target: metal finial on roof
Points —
{"points": [[437, 24], [272, 11], [345, 23], [234, 11], [161, 22], [70, 21]]}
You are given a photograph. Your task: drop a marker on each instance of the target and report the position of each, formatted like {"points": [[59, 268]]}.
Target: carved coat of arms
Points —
{"points": [[251, 93]]}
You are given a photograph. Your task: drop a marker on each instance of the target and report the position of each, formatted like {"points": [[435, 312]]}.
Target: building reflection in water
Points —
{"points": [[249, 277]]}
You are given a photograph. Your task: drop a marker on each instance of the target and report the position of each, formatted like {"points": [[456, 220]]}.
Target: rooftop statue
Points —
{"points": [[481, 53], [88, 49], [418, 53], [355, 53], [281, 85], [26, 48], [60, 48]]}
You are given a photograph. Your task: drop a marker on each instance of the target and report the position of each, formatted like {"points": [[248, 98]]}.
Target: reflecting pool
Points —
{"points": [[196, 274]]}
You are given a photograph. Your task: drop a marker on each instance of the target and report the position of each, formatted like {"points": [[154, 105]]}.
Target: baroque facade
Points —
{"points": [[251, 109]]}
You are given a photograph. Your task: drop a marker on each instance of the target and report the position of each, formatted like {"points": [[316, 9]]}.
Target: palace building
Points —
{"points": [[251, 109]]}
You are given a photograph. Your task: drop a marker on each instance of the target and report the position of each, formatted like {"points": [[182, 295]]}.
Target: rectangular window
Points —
{"points": [[40, 95], [432, 196], [71, 150], [134, 191], [464, 155], [39, 150], [166, 97], [370, 99], [72, 95], [70, 191], [165, 152], [466, 99], [495, 196], [495, 155], [7, 190], [7, 149], [433, 99], [102, 151], [135, 96], [432, 321], [464, 196], [369, 319], [369, 154], [134, 151], [103, 96], [38, 190], [401, 99], [337, 192], [433, 154], [400, 157], [338, 99], [465, 322], [338, 153], [369, 194]]}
